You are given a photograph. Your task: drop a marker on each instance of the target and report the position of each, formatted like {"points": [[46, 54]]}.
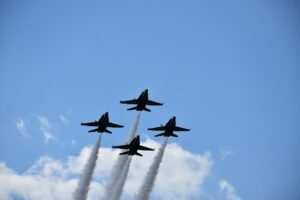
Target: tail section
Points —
{"points": [[164, 134], [146, 109], [161, 134], [107, 131], [123, 153], [133, 108], [93, 130], [138, 154]]}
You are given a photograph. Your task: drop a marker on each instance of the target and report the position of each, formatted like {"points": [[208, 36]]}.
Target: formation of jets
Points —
{"points": [[141, 102]]}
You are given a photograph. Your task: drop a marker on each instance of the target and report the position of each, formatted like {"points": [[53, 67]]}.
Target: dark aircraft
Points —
{"points": [[102, 124], [142, 102], [133, 147], [169, 128]]}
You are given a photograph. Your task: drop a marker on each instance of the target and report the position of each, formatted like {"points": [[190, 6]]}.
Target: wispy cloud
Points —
{"points": [[228, 190], [46, 129], [21, 126], [226, 151], [57, 179], [63, 119]]}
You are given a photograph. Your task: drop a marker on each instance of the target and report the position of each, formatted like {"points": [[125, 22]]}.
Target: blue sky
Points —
{"points": [[227, 70]]}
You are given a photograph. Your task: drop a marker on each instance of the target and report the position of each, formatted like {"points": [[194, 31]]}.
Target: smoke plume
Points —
{"points": [[82, 189], [117, 170], [121, 182], [147, 186]]}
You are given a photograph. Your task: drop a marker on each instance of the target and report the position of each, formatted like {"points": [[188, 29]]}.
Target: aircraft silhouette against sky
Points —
{"points": [[102, 124], [142, 102], [133, 147], [169, 128]]}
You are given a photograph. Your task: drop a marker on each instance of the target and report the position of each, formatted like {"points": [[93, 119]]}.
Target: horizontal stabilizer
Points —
{"points": [[133, 108], [174, 135], [161, 134], [146, 109], [93, 130], [107, 131], [123, 153], [138, 154]]}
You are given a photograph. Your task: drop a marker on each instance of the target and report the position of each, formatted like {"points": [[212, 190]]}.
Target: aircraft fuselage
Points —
{"points": [[142, 100], [134, 145], [103, 122], [171, 124]]}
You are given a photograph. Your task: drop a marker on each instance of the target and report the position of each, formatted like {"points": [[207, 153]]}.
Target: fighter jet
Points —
{"points": [[133, 147], [169, 128], [142, 102], [102, 124]]}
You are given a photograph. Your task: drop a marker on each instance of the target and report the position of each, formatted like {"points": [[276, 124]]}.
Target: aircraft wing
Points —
{"points": [[153, 103], [145, 148], [90, 124], [134, 101], [177, 128], [114, 125], [161, 128], [127, 146]]}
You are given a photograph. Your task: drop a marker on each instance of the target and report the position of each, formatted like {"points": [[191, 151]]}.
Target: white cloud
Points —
{"points": [[181, 175], [63, 119], [228, 190], [21, 126], [46, 129]]}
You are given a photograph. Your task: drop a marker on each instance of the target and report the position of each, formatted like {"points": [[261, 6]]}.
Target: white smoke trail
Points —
{"points": [[82, 189], [118, 167], [147, 186], [134, 127], [121, 182]]}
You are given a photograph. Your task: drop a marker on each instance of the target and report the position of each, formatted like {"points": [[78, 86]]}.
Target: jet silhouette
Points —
{"points": [[133, 147], [142, 102], [169, 128], [102, 124]]}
